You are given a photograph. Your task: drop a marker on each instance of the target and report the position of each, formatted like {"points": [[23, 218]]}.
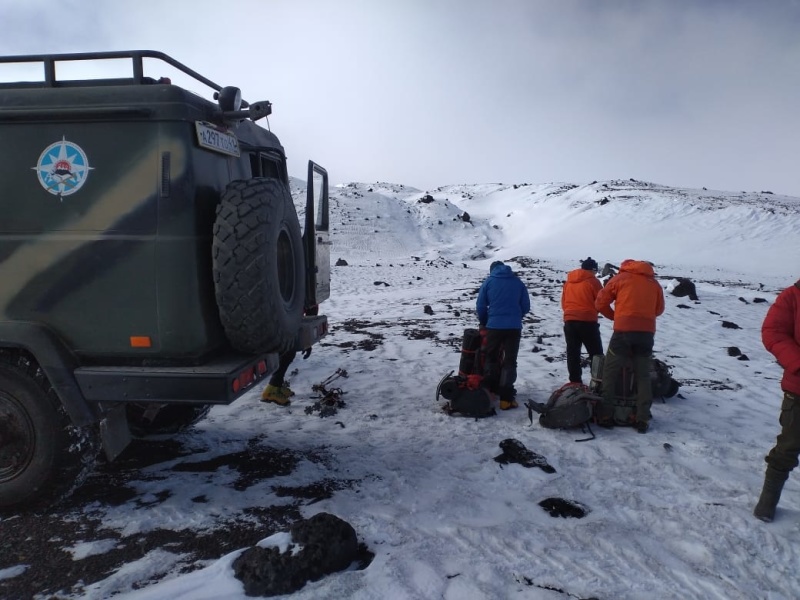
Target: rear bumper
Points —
{"points": [[220, 381], [312, 330]]}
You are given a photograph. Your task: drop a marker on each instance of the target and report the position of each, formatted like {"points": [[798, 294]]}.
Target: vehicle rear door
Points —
{"points": [[316, 236]]}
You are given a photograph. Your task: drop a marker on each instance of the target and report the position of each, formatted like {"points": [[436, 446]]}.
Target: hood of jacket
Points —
{"points": [[578, 275], [502, 270], [638, 267]]}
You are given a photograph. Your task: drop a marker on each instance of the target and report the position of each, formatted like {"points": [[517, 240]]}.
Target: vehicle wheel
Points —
{"points": [[42, 455], [169, 419], [259, 269]]}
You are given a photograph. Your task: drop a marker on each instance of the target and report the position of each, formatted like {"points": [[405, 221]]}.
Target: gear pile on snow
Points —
{"points": [[330, 400], [515, 451]]}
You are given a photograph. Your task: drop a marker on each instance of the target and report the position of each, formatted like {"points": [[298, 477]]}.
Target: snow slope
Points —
{"points": [[668, 513]]}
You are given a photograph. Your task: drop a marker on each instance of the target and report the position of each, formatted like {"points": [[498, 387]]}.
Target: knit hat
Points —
{"points": [[494, 264], [589, 264]]}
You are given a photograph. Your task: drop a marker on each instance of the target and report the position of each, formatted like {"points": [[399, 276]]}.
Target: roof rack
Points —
{"points": [[49, 63]]}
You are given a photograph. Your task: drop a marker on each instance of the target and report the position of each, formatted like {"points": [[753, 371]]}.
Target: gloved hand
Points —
{"points": [[306, 353]]}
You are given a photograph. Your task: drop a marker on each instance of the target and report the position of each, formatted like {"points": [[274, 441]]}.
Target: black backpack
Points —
{"points": [[664, 386], [465, 396], [463, 392], [571, 405]]}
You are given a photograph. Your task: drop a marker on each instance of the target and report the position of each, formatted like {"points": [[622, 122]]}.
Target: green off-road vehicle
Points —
{"points": [[152, 262]]}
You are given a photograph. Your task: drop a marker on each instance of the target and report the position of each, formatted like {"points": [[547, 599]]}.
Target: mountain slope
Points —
{"points": [[613, 220]]}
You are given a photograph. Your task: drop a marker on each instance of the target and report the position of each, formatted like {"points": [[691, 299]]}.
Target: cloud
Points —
{"points": [[431, 93]]}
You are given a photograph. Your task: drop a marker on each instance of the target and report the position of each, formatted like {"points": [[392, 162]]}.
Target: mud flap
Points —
{"points": [[114, 431]]}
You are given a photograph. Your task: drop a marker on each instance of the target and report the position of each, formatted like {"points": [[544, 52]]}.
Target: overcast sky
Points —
{"points": [[435, 92]]}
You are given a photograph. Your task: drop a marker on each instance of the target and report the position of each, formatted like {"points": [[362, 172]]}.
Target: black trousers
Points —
{"points": [[577, 334], [283, 365], [500, 365]]}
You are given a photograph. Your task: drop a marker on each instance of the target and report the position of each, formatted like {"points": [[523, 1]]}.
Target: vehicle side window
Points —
{"points": [[264, 166], [269, 168]]}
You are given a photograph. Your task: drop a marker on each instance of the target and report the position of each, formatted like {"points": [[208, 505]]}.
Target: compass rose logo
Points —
{"points": [[62, 168]]}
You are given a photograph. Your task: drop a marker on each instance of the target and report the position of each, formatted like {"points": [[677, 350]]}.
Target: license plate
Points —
{"points": [[210, 137]]}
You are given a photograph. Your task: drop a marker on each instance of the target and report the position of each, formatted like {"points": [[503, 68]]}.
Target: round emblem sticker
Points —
{"points": [[62, 168]]}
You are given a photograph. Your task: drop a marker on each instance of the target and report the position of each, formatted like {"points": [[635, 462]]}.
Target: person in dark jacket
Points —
{"points": [[502, 302], [638, 299], [780, 334], [580, 316]]}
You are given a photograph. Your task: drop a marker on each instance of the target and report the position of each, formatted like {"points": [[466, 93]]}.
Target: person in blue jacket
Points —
{"points": [[502, 302]]}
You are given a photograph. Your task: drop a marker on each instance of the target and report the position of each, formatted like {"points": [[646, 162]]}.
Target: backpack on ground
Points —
{"points": [[465, 396], [664, 386], [571, 405], [661, 382], [464, 393]]}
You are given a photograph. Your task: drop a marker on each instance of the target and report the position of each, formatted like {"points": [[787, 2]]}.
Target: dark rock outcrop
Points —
{"points": [[328, 544], [685, 287]]}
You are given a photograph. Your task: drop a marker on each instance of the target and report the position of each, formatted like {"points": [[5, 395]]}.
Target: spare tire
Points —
{"points": [[258, 266]]}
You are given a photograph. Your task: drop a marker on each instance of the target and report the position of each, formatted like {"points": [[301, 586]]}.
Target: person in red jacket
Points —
{"points": [[638, 299], [780, 334], [580, 316]]}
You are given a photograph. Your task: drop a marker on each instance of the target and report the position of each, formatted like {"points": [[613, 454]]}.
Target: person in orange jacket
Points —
{"points": [[580, 316], [638, 299]]}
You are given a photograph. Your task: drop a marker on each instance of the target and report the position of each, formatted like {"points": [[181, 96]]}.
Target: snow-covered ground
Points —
{"points": [[668, 514]]}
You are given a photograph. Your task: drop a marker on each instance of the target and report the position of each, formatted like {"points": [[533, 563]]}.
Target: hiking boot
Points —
{"points": [[273, 393], [508, 404], [642, 426], [286, 390], [770, 494]]}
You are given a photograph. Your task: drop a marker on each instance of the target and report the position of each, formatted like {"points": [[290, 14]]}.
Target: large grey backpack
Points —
{"points": [[571, 405], [662, 385]]}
